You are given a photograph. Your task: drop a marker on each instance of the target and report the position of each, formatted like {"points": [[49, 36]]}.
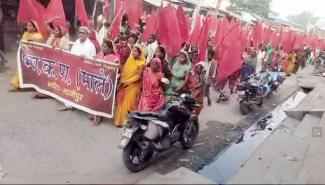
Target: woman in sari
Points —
{"points": [[58, 38], [129, 85], [194, 83], [161, 54], [179, 70], [289, 63], [32, 34], [108, 53], [152, 97]]}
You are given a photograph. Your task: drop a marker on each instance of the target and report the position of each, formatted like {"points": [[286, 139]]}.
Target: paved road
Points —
{"points": [[39, 144]]}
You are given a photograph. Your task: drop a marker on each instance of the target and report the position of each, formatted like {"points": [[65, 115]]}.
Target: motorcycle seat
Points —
{"points": [[162, 116]]}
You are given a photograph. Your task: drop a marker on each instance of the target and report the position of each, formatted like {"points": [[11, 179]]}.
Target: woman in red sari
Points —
{"points": [[194, 83], [152, 98], [108, 53]]}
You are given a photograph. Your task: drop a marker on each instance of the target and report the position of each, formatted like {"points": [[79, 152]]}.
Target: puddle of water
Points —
{"points": [[228, 163]]}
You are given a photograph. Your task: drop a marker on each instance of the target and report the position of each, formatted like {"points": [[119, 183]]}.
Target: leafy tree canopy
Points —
{"points": [[258, 7]]}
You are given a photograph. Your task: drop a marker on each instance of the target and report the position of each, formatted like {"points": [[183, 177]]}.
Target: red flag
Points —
{"points": [[222, 30], [183, 24], [169, 33], [209, 29], [81, 13], [55, 10], [106, 10], [195, 32], [257, 34], [118, 4], [134, 10], [31, 10], [267, 35], [188, 23], [151, 26], [115, 26], [231, 58]]}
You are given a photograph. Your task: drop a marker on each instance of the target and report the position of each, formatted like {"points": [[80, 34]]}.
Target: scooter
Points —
{"points": [[150, 132]]}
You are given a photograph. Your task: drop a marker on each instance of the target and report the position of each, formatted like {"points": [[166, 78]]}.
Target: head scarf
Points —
{"points": [[114, 47], [186, 56], [142, 56], [62, 24], [157, 61]]}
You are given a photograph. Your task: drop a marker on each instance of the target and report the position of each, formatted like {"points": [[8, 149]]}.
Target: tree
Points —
{"points": [[258, 7], [304, 18]]}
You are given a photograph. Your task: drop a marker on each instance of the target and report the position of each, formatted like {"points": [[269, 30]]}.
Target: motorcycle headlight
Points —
{"points": [[143, 127]]}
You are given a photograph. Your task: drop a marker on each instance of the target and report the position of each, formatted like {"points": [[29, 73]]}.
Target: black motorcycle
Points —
{"points": [[151, 132], [249, 93]]}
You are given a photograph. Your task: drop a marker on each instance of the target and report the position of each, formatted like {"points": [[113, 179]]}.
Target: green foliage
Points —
{"points": [[258, 7]]}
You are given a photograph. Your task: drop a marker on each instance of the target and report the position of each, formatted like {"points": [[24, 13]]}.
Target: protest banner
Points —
{"points": [[84, 83]]}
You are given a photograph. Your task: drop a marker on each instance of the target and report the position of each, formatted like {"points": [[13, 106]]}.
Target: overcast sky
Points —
{"points": [[290, 7]]}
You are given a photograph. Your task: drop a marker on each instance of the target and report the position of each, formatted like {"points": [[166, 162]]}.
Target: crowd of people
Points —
{"points": [[148, 77]]}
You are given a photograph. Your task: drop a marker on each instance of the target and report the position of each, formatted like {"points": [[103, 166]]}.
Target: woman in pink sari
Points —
{"points": [[108, 53], [152, 98]]}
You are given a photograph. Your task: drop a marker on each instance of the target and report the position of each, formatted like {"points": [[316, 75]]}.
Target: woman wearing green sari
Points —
{"points": [[179, 70]]}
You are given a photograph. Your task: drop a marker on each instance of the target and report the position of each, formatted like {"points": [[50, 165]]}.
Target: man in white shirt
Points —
{"points": [[210, 68], [152, 45], [83, 46]]}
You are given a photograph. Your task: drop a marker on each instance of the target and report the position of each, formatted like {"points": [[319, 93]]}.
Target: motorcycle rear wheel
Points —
{"points": [[189, 134], [244, 109], [133, 150]]}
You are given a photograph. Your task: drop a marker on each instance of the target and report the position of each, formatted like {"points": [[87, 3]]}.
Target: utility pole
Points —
{"points": [[218, 6], [112, 11]]}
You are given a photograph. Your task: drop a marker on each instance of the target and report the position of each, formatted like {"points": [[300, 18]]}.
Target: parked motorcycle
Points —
{"points": [[254, 89], [151, 132], [271, 81], [249, 94]]}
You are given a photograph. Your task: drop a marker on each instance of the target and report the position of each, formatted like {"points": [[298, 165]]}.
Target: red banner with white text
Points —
{"points": [[84, 83]]}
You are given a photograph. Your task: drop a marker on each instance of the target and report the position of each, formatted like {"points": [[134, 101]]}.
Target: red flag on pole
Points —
{"points": [[257, 34], [106, 10], [55, 10], [183, 24], [231, 58], [151, 26], [169, 33], [134, 10], [118, 4], [209, 29], [115, 26], [195, 32], [31, 10], [222, 30], [80, 12]]}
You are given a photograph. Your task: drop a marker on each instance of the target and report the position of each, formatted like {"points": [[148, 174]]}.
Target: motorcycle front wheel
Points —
{"points": [[259, 102], [189, 134], [134, 158], [244, 109]]}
